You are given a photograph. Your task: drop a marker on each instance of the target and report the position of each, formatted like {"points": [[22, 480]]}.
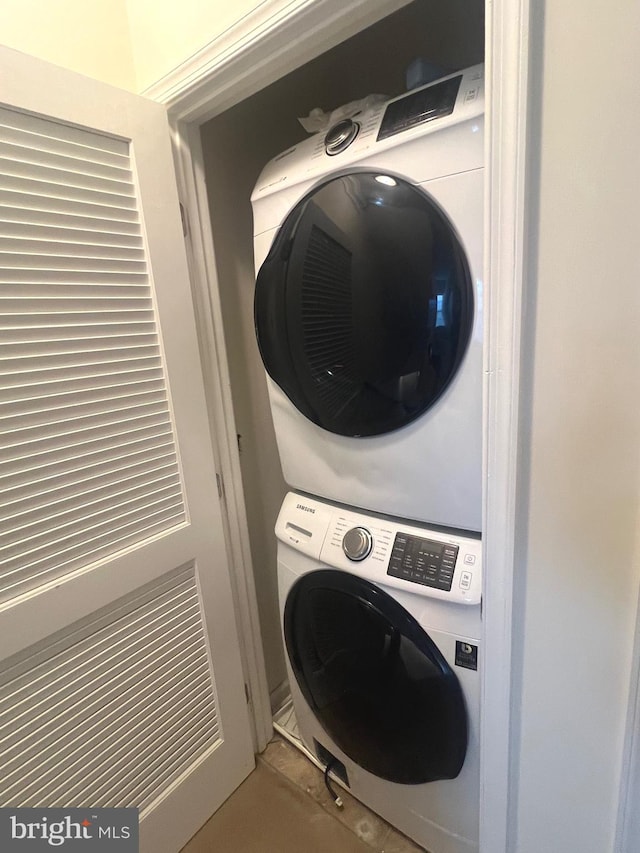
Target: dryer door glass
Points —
{"points": [[364, 305], [375, 680]]}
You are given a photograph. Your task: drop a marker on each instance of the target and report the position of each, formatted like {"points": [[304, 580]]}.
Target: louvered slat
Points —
{"points": [[83, 344], [61, 276], [78, 429], [116, 709], [50, 135], [185, 746], [79, 303], [143, 738], [33, 247], [25, 357], [54, 184], [103, 643], [52, 173], [88, 463], [123, 531], [16, 153], [48, 373], [119, 676], [66, 757], [79, 204], [73, 263], [72, 780], [49, 148], [129, 434], [62, 509], [79, 405], [52, 223], [120, 679]]}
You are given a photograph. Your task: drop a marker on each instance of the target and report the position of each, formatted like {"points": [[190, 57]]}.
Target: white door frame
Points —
{"points": [[277, 37]]}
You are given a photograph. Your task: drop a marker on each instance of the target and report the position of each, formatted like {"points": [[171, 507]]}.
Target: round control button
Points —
{"points": [[340, 136], [357, 543]]}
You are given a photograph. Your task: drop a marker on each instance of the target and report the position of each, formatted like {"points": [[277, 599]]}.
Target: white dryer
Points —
{"points": [[381, 621], [368, 307]]}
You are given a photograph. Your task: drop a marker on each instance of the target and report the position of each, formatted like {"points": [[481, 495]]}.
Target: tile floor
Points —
{"points": [[284, 807]]}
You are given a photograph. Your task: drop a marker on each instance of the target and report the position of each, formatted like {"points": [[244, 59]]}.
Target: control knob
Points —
{"points": [[357, 543], [340, 136]]}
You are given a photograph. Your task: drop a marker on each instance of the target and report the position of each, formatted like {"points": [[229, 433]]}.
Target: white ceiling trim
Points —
{"points": [[273, 39]]}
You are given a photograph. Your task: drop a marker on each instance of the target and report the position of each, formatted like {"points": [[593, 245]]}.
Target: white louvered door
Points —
{"points": [[120, 673]]}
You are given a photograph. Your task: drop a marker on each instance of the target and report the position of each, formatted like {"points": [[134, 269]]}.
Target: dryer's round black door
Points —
{"points": [[364, 305], [375, 680]]}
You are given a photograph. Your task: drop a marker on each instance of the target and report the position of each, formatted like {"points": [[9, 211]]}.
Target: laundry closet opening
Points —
{"points": [[237, 144]]}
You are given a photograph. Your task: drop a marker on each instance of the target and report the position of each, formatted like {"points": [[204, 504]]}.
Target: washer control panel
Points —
{"points": [[423, 561], [434, 562]]}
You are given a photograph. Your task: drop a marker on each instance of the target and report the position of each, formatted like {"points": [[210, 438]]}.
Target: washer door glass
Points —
{"points": [[364, 305], [375, 680]]}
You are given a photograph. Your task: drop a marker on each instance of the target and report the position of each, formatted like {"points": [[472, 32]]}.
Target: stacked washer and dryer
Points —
{"points": [[368, 309]]}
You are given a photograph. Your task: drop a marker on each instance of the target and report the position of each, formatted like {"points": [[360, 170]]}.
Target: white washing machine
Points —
{"points": [[382, 626], [368, 309]]}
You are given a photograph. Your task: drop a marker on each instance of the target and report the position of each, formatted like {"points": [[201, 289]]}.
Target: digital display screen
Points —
{"points": [[423, 561], [419, 107]]}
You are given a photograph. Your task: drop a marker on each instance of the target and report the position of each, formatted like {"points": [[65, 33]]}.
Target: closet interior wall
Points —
{"points": [[237, 144]]}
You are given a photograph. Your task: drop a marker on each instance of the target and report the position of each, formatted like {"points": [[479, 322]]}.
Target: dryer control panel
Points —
{"points": [[434, 101], [433, 562], [454, 101]]}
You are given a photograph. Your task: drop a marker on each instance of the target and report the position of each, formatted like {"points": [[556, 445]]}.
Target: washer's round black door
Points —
{"points": [[364, 305], [375, 680]]}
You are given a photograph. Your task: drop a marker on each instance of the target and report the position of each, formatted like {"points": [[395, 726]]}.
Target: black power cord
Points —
{"points": [[336, 799]]}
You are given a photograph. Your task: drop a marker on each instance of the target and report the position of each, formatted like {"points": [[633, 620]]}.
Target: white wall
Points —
{"points": [[165, 34], [129, 43], [233, 159], [578, 551], [89, 36]]}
